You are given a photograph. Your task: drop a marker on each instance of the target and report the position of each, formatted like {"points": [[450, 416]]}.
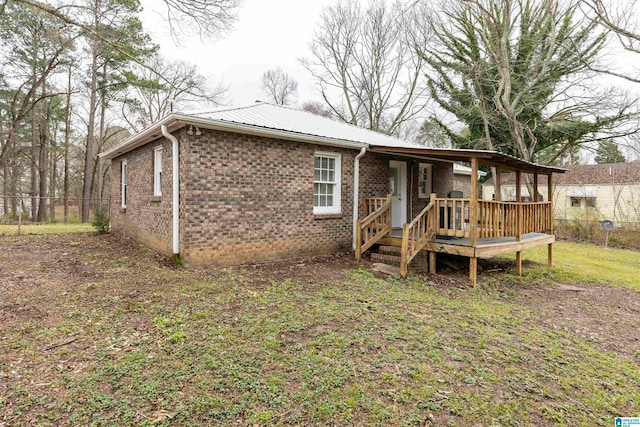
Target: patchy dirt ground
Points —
{"points": [[36, 271], [41, 277]]}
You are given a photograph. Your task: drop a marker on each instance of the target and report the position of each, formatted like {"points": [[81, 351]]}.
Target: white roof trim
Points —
{"points": [[584, 191], [181, 120]]}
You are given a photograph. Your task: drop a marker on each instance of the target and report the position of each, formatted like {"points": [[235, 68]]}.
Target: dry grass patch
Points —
{"points": [[99, 331]]}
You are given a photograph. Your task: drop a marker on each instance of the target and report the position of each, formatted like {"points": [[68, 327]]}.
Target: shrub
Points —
{"points": [[101, 221]]}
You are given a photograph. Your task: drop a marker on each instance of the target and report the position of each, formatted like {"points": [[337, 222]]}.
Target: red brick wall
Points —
{"points": [[146, 218], [374, 178], [249, 198], [463, 183]]}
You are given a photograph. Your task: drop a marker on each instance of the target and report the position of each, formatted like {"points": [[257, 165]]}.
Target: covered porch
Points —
{"points": [[469, 226]]}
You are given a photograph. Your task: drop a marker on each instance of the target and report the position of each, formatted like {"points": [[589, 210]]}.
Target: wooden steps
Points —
{"points": [[390, 254]]}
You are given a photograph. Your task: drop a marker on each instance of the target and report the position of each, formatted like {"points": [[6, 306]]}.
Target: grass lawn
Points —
{"points": [[580, 262], [97, 331], [54, 228]]}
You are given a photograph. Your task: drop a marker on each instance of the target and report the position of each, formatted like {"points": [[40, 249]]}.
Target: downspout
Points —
{"points": [[175, 173], [356, 189]]}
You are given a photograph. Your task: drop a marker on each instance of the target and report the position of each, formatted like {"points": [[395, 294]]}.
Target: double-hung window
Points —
{"points": [[123, 182], [424, 180], [326, 183], [157, 171]]}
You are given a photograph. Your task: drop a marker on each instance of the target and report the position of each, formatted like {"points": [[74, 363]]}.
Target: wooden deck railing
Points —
{"points": [[371, 204], [452, 217], [375, 225], [495, 219], [416, 234]]}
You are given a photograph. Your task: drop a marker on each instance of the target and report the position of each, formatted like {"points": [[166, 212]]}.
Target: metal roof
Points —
{"points": [[276, 121], [280, 117]]}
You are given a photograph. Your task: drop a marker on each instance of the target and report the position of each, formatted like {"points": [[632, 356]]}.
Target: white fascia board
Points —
{"points": [[139, 139], [247, 129]]}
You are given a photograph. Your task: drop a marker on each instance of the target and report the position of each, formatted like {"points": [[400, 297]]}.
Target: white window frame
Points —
{"points": [[337, 184], [124, 174], [157, 171], [429, 168]]}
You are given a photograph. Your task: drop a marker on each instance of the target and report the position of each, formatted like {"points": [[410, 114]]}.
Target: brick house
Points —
{"points": [[266, 182]]}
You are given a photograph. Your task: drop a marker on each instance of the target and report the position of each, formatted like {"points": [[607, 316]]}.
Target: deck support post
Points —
{"points": [[404, 251], [358, 240], [473, 271], [550, 255], [519, 263], [432, 262], [473, 222]]}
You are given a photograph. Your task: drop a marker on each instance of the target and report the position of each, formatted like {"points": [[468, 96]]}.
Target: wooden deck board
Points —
{"points": [[486, 246]]}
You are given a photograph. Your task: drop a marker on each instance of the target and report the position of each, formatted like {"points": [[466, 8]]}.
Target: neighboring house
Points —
{"points": [[265, 182], [587, 192]]}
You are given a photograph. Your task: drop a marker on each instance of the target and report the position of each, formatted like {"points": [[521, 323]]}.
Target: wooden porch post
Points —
{"points": [[498, 190], [473, 221], [519, 220], [535, 186], [519, 206], [431, 225], [473, 204], [550, 199]]}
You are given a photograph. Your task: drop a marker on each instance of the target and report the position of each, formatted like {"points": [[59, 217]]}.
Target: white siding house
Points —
{"points": [[586, 192]]}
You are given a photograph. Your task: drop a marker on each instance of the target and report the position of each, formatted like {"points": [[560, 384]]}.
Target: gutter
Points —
{"points": [[356, 189], [227, 126], [175, 173]]}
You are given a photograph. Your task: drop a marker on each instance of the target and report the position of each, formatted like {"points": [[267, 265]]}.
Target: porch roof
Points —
{"points": [[485, 157]]}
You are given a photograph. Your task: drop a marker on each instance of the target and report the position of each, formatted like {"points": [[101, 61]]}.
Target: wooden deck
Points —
{"points": [[470, 228], [486, 246]]}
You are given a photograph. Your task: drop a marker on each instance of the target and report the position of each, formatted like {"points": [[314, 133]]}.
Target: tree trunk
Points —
{"points": [[5, 176], [33, 166], [88, 159], [15, 191], [43, 163], [5, 186], [67, 125], [52, 180]]}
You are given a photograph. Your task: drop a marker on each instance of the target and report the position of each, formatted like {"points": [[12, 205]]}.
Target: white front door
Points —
{"points": [[398, 190]]}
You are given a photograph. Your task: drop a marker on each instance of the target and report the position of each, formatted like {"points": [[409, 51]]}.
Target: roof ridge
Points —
{"points": [[225, 109], [291, 108]]}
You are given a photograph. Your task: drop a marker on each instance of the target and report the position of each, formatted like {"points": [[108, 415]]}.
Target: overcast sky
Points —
{"points": [[268, 34]]}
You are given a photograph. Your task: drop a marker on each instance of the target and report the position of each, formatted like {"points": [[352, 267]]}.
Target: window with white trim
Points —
{"points": [[424, 180], [326, 183], [123, 182], [157, 171]]}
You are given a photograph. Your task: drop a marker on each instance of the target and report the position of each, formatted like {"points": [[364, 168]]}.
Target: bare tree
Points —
{"points": [[366, 64], [623, 20], [161, 83], [206, 18], [317, 108], [279, 86]]}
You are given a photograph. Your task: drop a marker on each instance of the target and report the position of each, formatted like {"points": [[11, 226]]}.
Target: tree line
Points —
{"points": [[523, 77], [80, 76]]}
